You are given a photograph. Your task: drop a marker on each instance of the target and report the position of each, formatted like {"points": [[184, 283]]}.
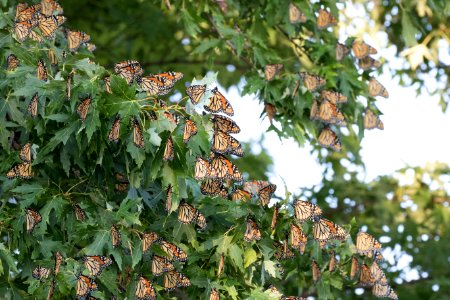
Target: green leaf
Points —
{"points": [[205, 46], [236, 256], [409, 30], [250, 257], [100, 240]]}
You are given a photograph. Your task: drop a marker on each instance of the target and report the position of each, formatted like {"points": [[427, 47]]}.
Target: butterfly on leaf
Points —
{"points": [[365, 277], [325, 230], [153, 85], [174, 252], [240, 195], [312, 82], [213, 187], [368, 62], [130, 70], [377, 89], [366, 243], [12, 62], [329, 139], [333, 262], [296, 15], [48, 25], [188, 214], [174, 279], [305, 210], [333, 97], [80, 215], [169, 152], [202, 168], [195, 93], [41, 272], [25, 12], [114, 132], [25, 153], [42, 71], [83, 108], [283, 252], [270, 71], [252, 232], [58, 261], [354, 268], [161, 265], [85, 286], [224, 124], [361, 49], [76, 38], [69, 86], [23, 29], [33, 106], [116, 238], [96, 264], [372, 121], [329, 113], [107, 82], [138, 138], [341, 51], [190, 129], [218, 103], [222, 168], [298, 238], [148, 239], [226, 144], [145, 289], [170, 78], [315, 271], [22, 171], [325, 19], [221, 264]]}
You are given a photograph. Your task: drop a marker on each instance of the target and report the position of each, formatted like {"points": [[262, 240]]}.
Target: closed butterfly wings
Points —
{"points": [[218, 103], [305, 210], [329, 139], [85, 286], [298, 239], [377, 89], [96, 264], [252, 232], [195, 93], [160, 265], [372, 121], [361, 49], [144, 289], [325, 19], [12, 62], [76, 38], [312, 82], [188, 214]]}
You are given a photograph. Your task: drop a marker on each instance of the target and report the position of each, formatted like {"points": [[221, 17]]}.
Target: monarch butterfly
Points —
{"points": [[361, 49], [275, 217], [226, 144], [25, 12], [221, 264], [95, 264], [305, 210], [218, 103], [238, 194], [298, 238], [377, 89], [329, 113], [116, 238], [381, 291], [224, 124], [22, 29], [366, 243], [58, 261], [271, 110], [190, 129], [83, 108], [365, 277], [196, 92], [253, 187], [252, 232], [168, 150], [341, 51], [130, 70], [152, 84], [312, 82], [354, 267], [314, 112], [33, 106], [168, 204], [85, 286], [333, 262], [296, 15], [50, 6], [315, 271], [80, 215], [76, 38], [188, 214], [25, 153], [325, 19], [283, 252], [270, 71], [22, 171], [12, 62], [114, 132], [202, 168], [223, 168], [174, 252], [372, 121], [161, 265], [48, 25], [378, 274], [174, 279], [171, 77], [214, 294], [138, 138], [42, 71], [265, 194], [333, 97], [148, 240], [392, 294], [107, 82], [328, 138], [35, 37], [368, 62], [41, 272], [213, 187], [175, 119], [325, 230]]}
